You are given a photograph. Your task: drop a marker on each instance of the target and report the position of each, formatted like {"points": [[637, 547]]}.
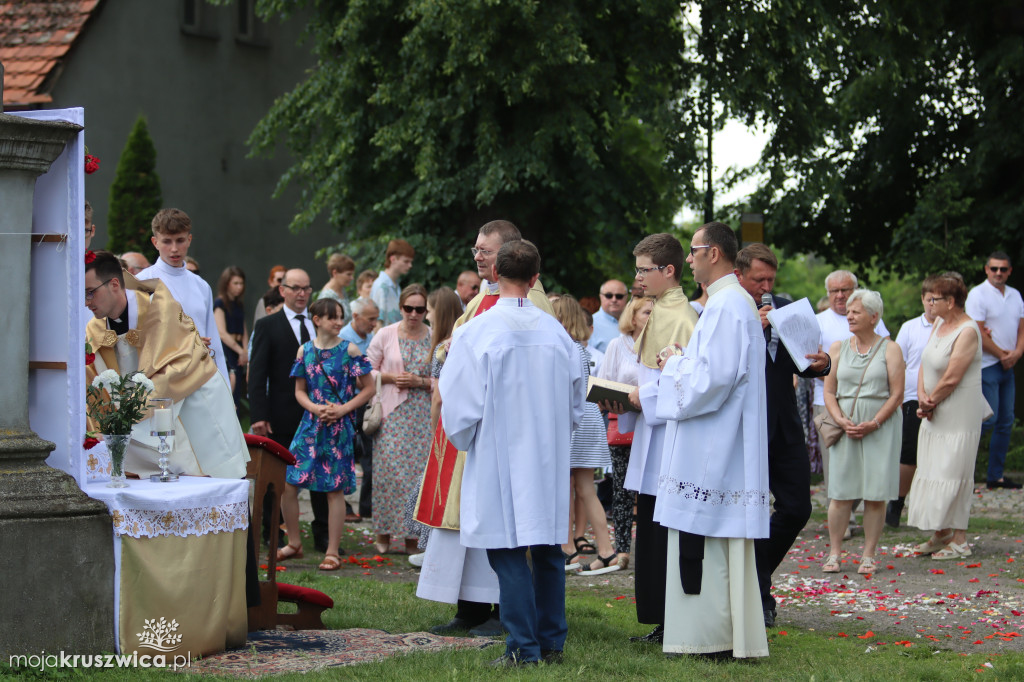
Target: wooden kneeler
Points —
{"points": [[267, 463]]}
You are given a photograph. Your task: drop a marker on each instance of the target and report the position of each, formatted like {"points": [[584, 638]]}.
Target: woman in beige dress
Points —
{"points": [[864, 463], [952, 408]]}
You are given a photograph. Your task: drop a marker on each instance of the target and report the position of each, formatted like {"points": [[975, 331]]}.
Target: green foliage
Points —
{"points": [[427, 118], [117, 403], [134, 195], [896, 136]]}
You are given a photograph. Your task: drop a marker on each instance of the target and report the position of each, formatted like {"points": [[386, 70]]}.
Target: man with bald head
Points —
{"points": [[135, 261], [273, 408], [467, 286], [606, 320]]}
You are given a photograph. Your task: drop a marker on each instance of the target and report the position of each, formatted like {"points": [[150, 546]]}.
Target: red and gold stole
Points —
{"points": [[437, 504]]}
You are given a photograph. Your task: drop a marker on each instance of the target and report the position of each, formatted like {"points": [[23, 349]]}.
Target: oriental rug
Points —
{"points": [[273, 652]]}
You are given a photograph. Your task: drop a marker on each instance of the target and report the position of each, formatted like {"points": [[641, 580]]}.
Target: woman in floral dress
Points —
{"points": [[327, 374], [400, 352]]}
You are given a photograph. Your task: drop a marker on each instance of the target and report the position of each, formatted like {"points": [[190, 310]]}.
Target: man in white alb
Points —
{"points": [[512, 394], [713, 489], [172, 235]]}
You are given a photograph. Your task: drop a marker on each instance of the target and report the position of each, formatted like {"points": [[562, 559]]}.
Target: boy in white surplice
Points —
{"points": [[512, 393]]}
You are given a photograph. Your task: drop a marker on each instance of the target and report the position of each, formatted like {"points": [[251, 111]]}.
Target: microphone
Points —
{"points": [[766, 300]]}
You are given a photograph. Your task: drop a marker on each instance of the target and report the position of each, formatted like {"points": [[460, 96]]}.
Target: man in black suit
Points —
{"points": [[275, 412], [789, 470]]}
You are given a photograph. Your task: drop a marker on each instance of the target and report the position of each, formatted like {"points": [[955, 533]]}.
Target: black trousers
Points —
{"points": [[651, 554], [363, 451], [789, 478]]}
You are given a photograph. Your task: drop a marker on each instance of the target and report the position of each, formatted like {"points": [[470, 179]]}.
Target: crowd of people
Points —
{"points": [[466, 409]]}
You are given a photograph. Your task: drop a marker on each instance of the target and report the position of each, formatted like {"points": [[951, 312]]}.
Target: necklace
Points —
{"points": [[856, 347]]}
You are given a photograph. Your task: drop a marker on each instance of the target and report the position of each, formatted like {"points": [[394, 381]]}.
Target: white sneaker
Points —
{"points": [[416, 559]]}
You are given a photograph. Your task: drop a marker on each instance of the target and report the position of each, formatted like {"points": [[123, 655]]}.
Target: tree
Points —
{"points": [[134, 195], [426, 118], [897, 137]]}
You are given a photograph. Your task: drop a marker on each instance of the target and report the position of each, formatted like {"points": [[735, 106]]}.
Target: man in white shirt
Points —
{"points": [[912, 339], [385, 291], [1000, 309], [172, 235], [834, 327], [713, 490], [606, 320], [514, 367]]}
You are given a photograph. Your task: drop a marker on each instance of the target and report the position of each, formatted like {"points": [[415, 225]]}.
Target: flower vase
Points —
{"points": [[117, 444]]}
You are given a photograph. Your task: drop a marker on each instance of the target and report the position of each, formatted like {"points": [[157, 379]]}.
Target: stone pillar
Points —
{"points": [[57, 561]]}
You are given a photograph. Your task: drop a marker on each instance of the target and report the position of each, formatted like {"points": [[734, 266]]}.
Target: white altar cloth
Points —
{"points": [[186, 544]]}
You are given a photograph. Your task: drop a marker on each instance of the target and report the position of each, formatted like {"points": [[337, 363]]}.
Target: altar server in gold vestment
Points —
{"points": [[138, 326], [713, 488]]}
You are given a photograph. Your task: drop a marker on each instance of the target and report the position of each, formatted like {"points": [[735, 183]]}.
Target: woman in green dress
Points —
{"points": [[863, 393]]}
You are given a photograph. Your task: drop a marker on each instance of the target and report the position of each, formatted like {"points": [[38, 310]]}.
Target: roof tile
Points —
{"points": [[34, 35]]}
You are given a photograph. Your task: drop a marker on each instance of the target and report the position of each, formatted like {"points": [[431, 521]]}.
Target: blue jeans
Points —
{"points": [[532, 601], [999, 390]]}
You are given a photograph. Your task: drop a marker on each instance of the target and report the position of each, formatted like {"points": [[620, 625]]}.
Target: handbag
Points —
{"points": [[829, 429], [375, 414]]}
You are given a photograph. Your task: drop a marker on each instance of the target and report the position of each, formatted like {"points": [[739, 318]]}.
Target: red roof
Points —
{"points": [[34, 36]]}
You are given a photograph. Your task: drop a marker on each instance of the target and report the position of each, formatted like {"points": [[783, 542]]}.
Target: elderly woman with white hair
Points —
{"points": [[863, 394]]}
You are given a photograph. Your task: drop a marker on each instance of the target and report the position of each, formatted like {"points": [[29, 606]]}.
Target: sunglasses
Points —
{"points": [[414, 309], [617, 297], [1000, 268]]}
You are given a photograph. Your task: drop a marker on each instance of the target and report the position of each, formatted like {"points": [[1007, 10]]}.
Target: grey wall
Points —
{"points": [[202, 98]]}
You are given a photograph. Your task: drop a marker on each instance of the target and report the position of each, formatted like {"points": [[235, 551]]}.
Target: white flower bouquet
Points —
{"points": [[116, 403]]}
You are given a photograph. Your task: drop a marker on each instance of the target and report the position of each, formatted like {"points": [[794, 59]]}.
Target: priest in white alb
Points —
{"points": [[138, 326], [713, 488], [512, 393]]}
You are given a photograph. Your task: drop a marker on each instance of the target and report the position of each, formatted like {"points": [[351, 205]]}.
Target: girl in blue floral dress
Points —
{"points": [[327, 372]]}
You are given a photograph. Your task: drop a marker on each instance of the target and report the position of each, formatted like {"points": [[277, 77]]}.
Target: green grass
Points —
{"points": [[597, 648]]}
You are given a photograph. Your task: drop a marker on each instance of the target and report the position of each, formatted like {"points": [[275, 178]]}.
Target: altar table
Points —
{"points": [[179, 557]]}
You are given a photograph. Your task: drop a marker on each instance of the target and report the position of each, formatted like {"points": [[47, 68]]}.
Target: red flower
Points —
{"points": [[89, 443], [89, 358], [92, 164], [89, 257]]}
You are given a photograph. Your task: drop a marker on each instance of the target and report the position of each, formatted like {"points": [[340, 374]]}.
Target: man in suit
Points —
{"points": [[789, 472], [275, 412]]}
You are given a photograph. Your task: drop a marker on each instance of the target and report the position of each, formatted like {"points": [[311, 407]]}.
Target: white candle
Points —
{"points": [[162, 420]]}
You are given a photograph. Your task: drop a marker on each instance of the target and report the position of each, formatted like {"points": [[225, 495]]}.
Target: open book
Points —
{"points": [[603, 389]]}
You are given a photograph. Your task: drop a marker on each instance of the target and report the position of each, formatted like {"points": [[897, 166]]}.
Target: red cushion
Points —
{"points": [[271, 446], [288, 592]]}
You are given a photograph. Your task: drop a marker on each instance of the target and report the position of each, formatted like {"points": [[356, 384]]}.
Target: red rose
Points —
{"points": [[92, 164], [89, 358], [89, 257], [89, 443]]}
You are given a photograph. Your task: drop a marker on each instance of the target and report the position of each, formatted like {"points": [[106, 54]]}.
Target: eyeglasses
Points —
{"points": [[617, 297], [642, 272], [999, 268], [414, 309], [306, 288], [481, 252], [89, 293], [932, 300], [693, 249], [847, 291]]}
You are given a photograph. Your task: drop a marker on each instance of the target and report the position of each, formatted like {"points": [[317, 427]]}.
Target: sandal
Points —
{"points": [[831, 564], [572, 561], [289, 551], [932, 546], [867, 565], [607, 568], [331, 562], [584, 546], [952, 551]]}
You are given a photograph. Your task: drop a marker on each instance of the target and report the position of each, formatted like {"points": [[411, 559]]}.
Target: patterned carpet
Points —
{"points": [[275, 652]]}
